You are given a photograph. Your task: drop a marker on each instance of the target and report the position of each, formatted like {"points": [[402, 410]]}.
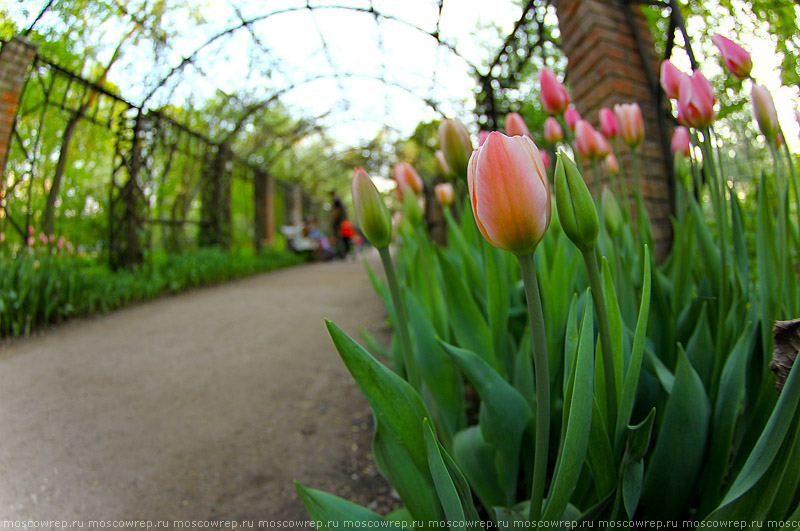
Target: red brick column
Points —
{"points": [[16, 57], [605, 67]]}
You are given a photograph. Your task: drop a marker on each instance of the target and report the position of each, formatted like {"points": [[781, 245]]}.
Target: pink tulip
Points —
{"points": [[736, 59], [671, 79], [43, 238], [509, 193], [608, 123], [52, 238], [603, 145], [696, 102], [30, 231], [61, 242], [552, 130], [444, 193], [407, 177], [516, 126], [680, 141], [482, 136], [456, 144], [545, 158], [31, 241], [441, 162], [631, 123], [554, 94], [764, 110], [610, 164], [572, 116], [586, 141], [2, 237]]}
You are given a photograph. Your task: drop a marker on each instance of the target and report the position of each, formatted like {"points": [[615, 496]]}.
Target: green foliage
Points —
{"points": [[37, 290]]}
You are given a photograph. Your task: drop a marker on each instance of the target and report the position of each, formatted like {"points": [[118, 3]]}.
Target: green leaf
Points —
{"points": [[498, 302], [578, 403], [680, 447], [476, 458], [635, 364], [632, 486], [332, 512], [615, 324], [700, 349], [469, 326], [639, 438], [600, 457], [766, 260], [709, 252], [739, 247], [770, 441], [451, 485]]}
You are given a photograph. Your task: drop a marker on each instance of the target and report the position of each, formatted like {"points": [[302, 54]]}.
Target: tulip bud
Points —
{"points": [[371, 213], [60, 244], [554, 94], [611, 165], [545, 158], [575, 205], [608, 123], [681, 142], [444, 194], [31, 241], [603, 146], [631, 123], [509, 193], [30, 231], [516, 126], [407, 178], [736, 59], [441, 163], [612, 214], [552, 130], [671, 79], [764, 110], [572, 117], [456, 144], [43, 238], [696, 101], [585, 139]]}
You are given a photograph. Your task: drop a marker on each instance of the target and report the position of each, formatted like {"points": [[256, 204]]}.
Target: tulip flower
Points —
{"points": [[736, 59], [61, 242], [612, 215], [516, 126], [572, 116], [608, 123], [545, 158], [696, 101], [586, 139], [765, 113], [2, 237], [31, 241], [43, 238], [371, 213], [574, 203], [611, 165], [552, 130], [30, 231], [407, 178], [555, 97], [671, 79], [680, 141], [631, 123], [509, 193], [444, 194], [482, 136], [456, 144], [441, 163], [603, 146]]}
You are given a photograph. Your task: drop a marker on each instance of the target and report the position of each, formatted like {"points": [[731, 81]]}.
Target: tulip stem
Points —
{"points": [[542, 376], [593, 270], [643, 220], [400, 313]]}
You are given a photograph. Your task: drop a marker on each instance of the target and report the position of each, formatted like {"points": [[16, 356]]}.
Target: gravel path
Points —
{"points": [[202, 406]]}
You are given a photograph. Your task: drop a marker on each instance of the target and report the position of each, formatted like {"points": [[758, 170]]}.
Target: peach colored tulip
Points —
{"points": [[456, 144], [61, 242], [736, 58], [516, 126], [608, 123], [441, 162], [671, 79], [696, 102], [545, 158], [444, 193], [610, 164], [572, 117], [509, 193], [764, 110], [482, 136], [31, 241], [586, 139], [552, 130], [43, 238], [555, 97], [631, 123], [371, 213], [603, 145], [681, 142], [407, 177]]}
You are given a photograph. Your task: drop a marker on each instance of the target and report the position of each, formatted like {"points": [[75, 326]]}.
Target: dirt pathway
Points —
{"points": [[201, 406]]}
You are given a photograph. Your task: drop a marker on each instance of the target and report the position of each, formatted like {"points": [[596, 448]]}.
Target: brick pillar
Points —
{"points": [[605, 67], [16, 57]]}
